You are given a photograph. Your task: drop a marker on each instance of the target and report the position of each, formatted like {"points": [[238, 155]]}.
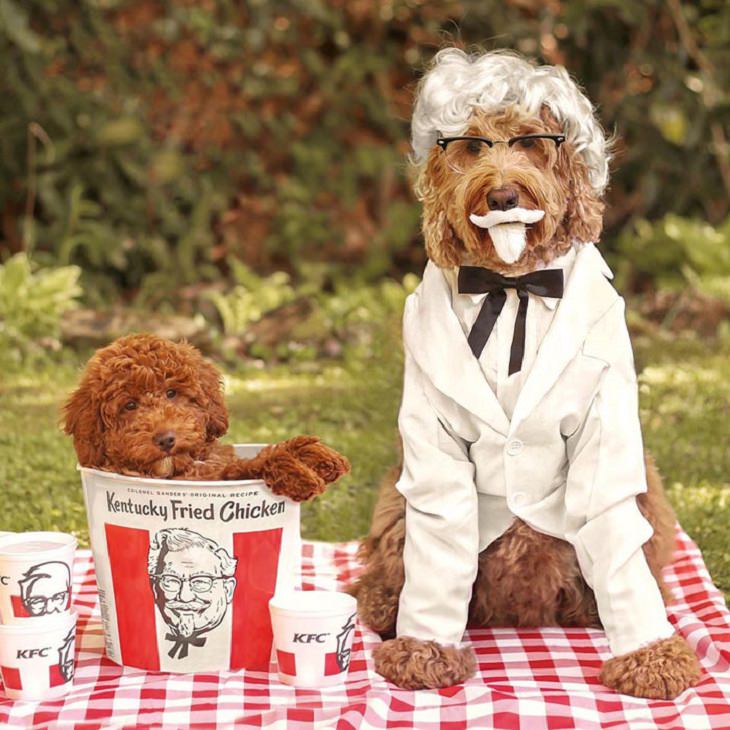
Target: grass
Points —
{"points": [[685, 403]]}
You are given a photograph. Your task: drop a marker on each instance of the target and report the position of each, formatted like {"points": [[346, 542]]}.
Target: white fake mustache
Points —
{"points": [[507, 229]]}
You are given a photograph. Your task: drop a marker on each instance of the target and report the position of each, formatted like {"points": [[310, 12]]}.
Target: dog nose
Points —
{"points": [[503, 199], [165, 440]]}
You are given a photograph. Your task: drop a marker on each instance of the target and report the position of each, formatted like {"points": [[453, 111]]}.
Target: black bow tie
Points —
{"points": [[182, 644], [475, 280]]}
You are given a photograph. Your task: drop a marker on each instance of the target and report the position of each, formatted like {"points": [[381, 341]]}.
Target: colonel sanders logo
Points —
{"points": [[45, 588], [343, 653], [193, 583], [66, 656]]}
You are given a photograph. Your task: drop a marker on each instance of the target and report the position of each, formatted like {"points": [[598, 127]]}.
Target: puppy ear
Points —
{"points": [[82, 420], [211, 383], [443, 246], [583, 219]]}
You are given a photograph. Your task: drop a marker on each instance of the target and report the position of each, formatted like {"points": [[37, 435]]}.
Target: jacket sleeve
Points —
{"points": [[442, 536], [606, 473]]}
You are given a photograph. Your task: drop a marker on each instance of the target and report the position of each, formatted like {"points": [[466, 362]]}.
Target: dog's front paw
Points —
{"points": [[414, 664], [660, 671], [320, 458], [286, 475]]}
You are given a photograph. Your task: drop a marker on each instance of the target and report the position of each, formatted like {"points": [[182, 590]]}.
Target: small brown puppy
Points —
{"points": [[147, 406]]}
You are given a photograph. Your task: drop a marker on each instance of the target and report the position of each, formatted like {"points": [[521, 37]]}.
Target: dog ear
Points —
{"points": [[443, 246], [82, 420], [583, 219], [211, 384]]}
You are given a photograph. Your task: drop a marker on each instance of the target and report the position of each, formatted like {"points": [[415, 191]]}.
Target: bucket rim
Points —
{"points": [[177, 483]]}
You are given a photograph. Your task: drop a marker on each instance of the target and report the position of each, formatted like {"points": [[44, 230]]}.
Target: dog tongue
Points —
{"points": [[507, 230]]}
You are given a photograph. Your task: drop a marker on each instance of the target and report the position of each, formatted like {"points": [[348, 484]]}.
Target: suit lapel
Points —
{"points": [[588, 296], [434, 337]]}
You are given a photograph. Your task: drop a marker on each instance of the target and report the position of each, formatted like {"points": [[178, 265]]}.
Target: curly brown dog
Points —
{"points": [[525, 578], [147, 406]]}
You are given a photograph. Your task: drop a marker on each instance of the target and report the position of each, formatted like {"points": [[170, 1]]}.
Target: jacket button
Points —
{"points": [[514, 447], [519, 499]]}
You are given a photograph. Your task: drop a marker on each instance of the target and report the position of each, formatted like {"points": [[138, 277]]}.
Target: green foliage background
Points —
{"points": [[150, 142]]}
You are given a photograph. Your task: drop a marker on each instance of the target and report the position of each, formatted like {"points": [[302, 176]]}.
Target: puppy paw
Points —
{"points": [[286, 475], [660, 671], [414, 664], [321, 459]]}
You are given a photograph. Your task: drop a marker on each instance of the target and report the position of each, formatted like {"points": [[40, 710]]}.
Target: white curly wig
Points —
{"points": [[458, 82]]}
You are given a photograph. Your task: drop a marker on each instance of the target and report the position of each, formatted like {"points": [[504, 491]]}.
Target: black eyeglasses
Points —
{"points": [[463, 151]]}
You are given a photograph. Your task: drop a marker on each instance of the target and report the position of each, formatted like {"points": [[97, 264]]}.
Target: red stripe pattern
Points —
{"points": [[55, 677], [287, 662], [528, 679], [257, 555], [19, 610], [11, 679], [331, 666], [128, 549]]}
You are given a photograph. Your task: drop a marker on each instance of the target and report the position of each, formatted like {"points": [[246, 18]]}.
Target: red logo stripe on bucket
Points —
{"points": [[330, 664], [287, 662], [55, 678], [128, 548], [258, 561], [18, 607], [11, 677]]}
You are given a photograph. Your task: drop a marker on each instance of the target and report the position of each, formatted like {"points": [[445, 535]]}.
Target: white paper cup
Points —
{"points": [[313, 633], [35, 574], [37, 657]]}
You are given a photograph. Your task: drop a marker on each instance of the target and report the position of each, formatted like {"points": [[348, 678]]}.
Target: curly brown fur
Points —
{"points": [[378, 589], [414, 664], [147, 406], [660, 671], [525, 578], [655, 507], [558, 185]]}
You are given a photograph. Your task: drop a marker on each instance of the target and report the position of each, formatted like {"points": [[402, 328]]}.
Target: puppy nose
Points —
{"points": [[165, 440], [503, 199]]}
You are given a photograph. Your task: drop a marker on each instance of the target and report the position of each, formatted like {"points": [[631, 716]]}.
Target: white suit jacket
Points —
{"points": [[570, 460]]}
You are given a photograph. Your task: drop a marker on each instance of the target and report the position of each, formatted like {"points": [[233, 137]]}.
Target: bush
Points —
{"points": [[151, 142], [31, 305], [674, 253]]}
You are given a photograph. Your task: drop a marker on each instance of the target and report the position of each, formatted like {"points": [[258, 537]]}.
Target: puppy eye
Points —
{"points": [[171, 393], [130, 405], [526, 144]]}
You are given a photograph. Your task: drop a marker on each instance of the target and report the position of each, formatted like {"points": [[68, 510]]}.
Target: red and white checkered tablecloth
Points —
{"points": [[541, 679]]}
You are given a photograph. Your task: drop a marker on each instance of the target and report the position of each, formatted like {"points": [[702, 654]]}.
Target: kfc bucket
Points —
{"points": [[186, 569]]}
